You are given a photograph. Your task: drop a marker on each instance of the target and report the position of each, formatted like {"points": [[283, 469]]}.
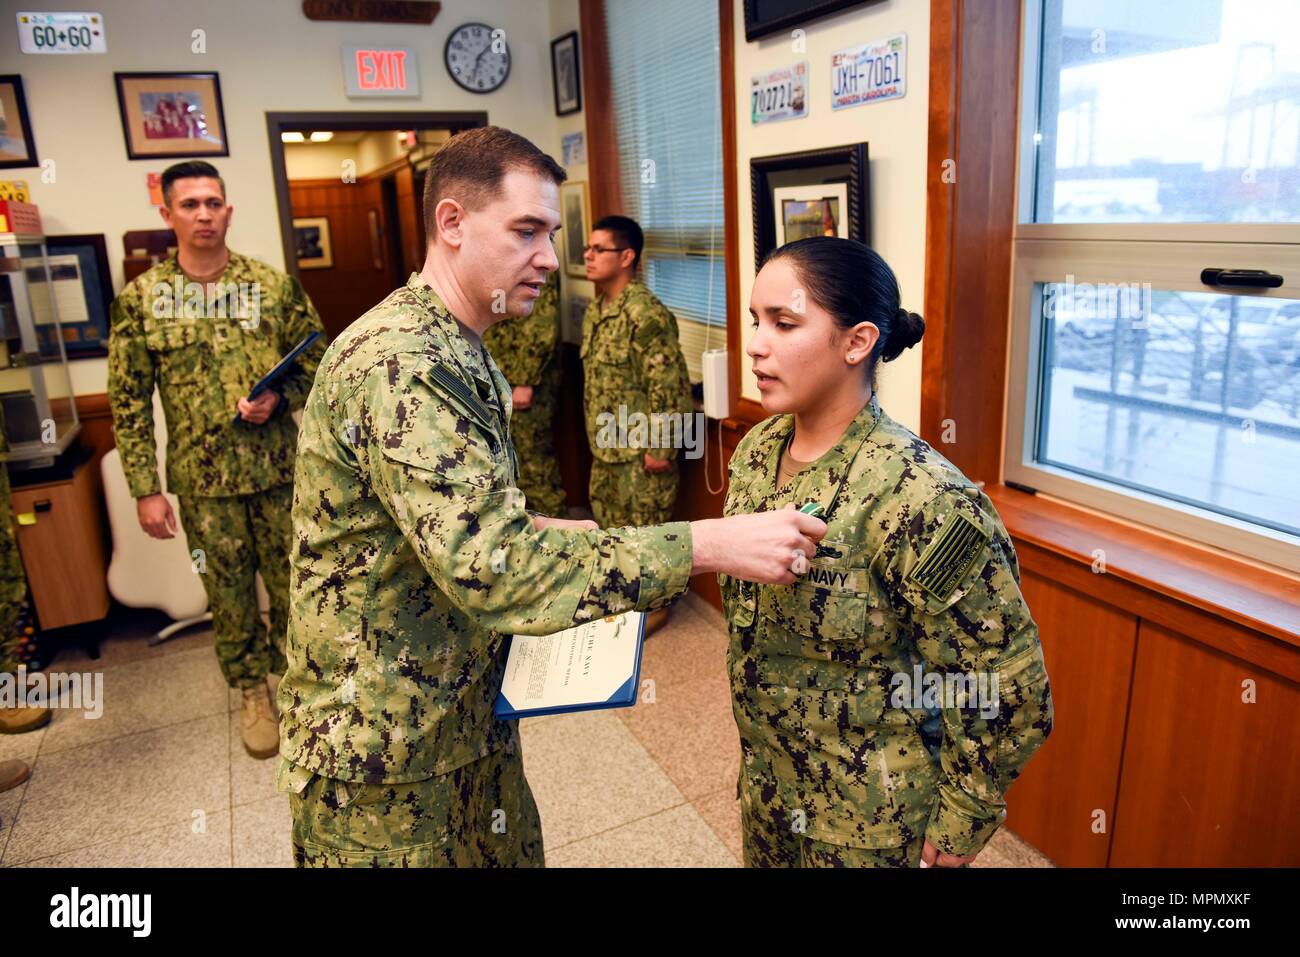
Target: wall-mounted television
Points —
{"points": [[766, 17]]}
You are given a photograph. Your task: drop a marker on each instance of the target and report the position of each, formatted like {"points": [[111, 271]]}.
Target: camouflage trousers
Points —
{"points": [[771, 838], [13, 584], [236, 537], [539, 467], [624, 493], [479, 815]]}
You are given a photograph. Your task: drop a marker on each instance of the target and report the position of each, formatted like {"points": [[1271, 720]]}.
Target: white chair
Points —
{"points": [[147, 572]]}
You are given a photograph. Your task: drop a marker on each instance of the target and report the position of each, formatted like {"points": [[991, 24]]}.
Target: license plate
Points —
{"points": [[869, 73], [779, 94]]}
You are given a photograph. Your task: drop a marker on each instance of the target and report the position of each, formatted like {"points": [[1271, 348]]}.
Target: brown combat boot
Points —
{"points": [[13, 773], [22, 720], [257, 724]]}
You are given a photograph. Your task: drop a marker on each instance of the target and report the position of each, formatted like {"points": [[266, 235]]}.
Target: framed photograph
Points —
{"points": [[565, 74], [171, 115], [575, 208], [311, 240], [803, 211], [792, 191], [83, 292], [17, 146]]}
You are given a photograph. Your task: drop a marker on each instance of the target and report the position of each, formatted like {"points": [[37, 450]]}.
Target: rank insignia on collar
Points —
{"points": [[949, 556]]}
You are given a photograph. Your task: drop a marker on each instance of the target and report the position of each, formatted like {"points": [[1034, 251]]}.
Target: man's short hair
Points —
{"points": [[626, 232], [190, 169], [472, 164]]}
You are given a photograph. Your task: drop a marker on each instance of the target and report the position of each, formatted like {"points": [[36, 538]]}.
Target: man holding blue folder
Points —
{"points": [[204, 326], [414, 557]]}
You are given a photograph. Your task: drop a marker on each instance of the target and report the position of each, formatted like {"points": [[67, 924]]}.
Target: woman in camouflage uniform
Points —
{"points": [[887, 699]]}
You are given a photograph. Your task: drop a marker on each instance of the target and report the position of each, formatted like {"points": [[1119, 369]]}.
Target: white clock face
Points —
{"points": [[477, 57]]}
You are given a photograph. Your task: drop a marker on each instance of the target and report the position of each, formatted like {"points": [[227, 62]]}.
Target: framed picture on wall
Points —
{"points": [[813, 193], [575, 209], [803, 211], [565, 75], [83, 290], [171, 115], [17, 146], [311, 238]]}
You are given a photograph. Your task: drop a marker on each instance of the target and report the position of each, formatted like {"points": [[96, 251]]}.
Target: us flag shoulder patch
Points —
{"points": [[949, 555]]}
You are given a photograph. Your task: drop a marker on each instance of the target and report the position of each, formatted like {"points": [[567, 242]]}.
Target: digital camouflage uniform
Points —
{"points": [[13, 583], [233, 480], [916, 568], [632, 360], [524, 348], [414, 558]]}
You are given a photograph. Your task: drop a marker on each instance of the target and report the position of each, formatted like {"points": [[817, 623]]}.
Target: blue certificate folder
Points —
{"points": [[550, 696], [280, 369]]}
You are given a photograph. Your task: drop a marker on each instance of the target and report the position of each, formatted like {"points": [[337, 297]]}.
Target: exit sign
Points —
{"points": [[381, 71]]}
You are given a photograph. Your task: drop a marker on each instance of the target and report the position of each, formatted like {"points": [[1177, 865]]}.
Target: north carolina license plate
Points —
{"points": [[870, 73]]}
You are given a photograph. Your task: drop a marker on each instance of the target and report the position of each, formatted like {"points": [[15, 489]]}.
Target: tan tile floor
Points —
{"points": [[162, 779]]}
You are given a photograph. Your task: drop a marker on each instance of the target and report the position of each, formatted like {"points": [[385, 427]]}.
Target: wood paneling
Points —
{"points": [[353, 284], [1089, 651], [570, 430], [604, 187], [696, 501], [1209, 780]]}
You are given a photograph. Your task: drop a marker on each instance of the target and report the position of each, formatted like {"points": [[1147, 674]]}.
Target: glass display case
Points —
{"points": [[40, 413]]}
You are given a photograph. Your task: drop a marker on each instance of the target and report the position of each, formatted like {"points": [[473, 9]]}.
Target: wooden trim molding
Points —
{"points": [[604, 187], [974, 86]]}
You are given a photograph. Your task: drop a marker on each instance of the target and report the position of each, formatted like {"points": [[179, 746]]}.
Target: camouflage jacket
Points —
{"points": [[916, 576], [632, 366], [413, 556], [205, 354], [524, 347]]}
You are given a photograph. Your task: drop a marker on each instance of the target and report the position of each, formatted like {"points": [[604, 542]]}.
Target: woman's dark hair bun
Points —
{"points": [[906, 331]]}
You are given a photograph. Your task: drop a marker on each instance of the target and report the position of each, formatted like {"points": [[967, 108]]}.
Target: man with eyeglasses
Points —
{"points": [[634, 380]]}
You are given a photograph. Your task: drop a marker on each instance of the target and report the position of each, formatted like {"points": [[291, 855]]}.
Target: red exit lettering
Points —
{"points": [[381, 69]]}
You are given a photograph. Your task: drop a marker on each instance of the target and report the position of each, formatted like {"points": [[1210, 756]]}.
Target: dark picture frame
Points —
{"points": [[765, 17], [142, 144], [91, 334], [571, 104], [834, 164], [11, 93]]}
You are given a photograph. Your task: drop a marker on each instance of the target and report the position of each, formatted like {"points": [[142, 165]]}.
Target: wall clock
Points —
{"points": [[477, 57]]}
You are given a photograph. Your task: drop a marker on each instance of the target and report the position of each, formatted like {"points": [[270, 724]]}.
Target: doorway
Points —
{"points": [[348, 190]]}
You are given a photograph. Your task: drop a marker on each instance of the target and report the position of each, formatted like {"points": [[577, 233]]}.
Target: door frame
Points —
{"points": [[305, 122]]}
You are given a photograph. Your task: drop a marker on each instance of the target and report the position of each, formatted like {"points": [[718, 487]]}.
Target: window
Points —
{"points": [[1155, 369], [666, 96]]}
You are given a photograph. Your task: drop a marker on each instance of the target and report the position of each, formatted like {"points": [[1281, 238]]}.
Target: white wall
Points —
{"points": [[895, 132], [270, 59]]}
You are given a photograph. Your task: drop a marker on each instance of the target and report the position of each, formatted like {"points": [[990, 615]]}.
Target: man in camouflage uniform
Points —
{"points": [[414, 556], [632, 364], [843, 764], [524, 348], [13, 626], [205, 326]]}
